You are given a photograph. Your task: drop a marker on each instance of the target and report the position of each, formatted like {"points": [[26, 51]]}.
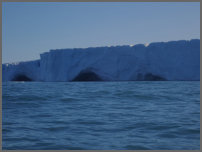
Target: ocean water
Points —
{"points": [[101, 115]]}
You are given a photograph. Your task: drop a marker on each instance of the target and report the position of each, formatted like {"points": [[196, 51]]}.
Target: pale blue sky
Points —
{"points": [[32, 28]]}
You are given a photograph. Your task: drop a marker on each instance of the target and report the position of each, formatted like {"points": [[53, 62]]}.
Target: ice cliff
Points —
{"points": [[174, 60]]}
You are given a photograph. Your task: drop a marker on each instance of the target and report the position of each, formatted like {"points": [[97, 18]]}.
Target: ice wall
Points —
{"points": [[29, 69], [175, 60]]}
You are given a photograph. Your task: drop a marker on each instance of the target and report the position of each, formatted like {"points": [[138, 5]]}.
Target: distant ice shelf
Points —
{"points": [[174, 60]]}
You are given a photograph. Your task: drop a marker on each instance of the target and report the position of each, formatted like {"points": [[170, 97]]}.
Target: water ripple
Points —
{"points": [[101, 116]]}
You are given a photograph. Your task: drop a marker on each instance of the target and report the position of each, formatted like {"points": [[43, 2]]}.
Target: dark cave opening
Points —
{"points": [[87, 76], [151, 77], [21, 77]]}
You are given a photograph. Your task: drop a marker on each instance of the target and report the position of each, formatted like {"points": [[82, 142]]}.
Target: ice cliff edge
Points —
{"points": [[174, 60]]}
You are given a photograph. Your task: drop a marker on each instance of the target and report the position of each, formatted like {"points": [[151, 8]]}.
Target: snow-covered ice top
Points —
{"points": [[174, 60]]}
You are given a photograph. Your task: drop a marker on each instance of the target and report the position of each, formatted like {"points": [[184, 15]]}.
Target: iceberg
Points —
{"points": [[159, 61]]}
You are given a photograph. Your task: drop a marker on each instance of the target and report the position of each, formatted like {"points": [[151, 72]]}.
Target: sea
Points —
{"points": [[134, 115]]}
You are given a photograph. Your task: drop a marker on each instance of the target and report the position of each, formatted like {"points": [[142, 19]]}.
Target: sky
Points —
{"points": [[31, 28]]}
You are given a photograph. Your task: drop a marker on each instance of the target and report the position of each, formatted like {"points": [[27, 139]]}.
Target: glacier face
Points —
{"points": [[174, 60], [29, 69]]}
